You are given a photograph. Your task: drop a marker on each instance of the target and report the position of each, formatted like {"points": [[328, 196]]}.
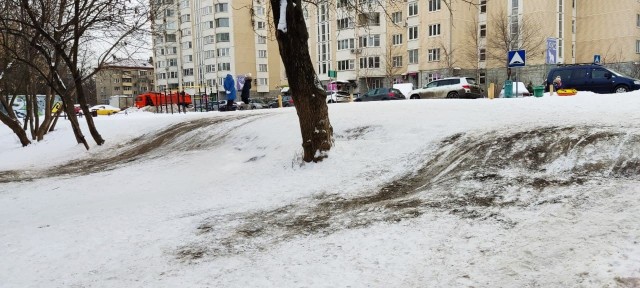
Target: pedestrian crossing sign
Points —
{"points": [[516, 58]]}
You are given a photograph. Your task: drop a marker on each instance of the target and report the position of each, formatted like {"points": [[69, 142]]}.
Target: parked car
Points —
{"points": [[223, 106], [454, 87], [379, 94], [592, 77], [522, 90], [104, 109], [287, 101], [338, 97], [254, 103]]}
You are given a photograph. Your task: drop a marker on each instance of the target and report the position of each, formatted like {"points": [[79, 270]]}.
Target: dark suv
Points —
{"points": [[591, 77]]}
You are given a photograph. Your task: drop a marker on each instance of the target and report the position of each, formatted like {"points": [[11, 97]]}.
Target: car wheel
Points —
{"points": [[415, 96], [622, 89], [331, 101], [452, 95]]}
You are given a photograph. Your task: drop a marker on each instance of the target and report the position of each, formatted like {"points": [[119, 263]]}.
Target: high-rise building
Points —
{"points": [[198, 42], [373, 43]]}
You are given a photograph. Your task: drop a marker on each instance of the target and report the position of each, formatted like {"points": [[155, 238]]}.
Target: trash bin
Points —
{"points": [[538, 91], [508, 89]]}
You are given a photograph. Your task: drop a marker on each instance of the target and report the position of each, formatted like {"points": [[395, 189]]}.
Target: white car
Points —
{"points": [[338, 97], [453, 87], [522, 90]]}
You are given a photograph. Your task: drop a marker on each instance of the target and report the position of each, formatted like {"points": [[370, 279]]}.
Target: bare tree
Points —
{"points": [[69, 37], [511, 32], [292, 36]]}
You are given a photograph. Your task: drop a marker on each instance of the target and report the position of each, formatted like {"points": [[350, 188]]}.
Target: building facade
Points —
{"points": [[373, 43], [125, 77], [198, 42]]}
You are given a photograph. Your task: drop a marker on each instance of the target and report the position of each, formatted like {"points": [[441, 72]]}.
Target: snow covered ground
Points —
{"points": [[528, 192]]}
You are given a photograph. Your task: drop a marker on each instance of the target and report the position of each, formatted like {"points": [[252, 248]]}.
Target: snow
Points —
{"points": [[227, 202], [282, 22]]}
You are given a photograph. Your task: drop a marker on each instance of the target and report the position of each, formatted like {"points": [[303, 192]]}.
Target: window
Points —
{"points": [[262, 39], [171, 37], [413, 56], [259, 10], [434, 54], [187, 72], [184, 4], [638, 46], [434, 30], [370, 62], [638, 20], [369, 19], [262, 68], [396, 39], [483, 77], [222, 37], [172, 62], [342, 3], [413, 8], [483, 31], [483, 6], [209, 39], [186, 31], [344, 23], [169, 13], [222, 7], [185, 18], [222, 22], [186, 45], [208, 25], [209, 54], [173, 75], [413, 33], [263, 81], [346, 65], [206, 10], [223, 52], [260, 25], [262, 53], [370, 41], [397, 61], [482, 55], [434, 5], [396, 17], [210, 68], [224, 66], [346, 44]]}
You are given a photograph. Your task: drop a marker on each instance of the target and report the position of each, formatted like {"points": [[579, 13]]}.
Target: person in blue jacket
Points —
{"points": [[230, 88]]}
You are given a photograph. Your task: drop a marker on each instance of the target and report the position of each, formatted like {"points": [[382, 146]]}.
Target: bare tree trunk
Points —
{"points": [[14, 125], [307, 92], [83, 103]]}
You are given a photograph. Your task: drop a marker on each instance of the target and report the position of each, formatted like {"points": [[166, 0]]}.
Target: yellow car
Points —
{"points": [[104, 109]]}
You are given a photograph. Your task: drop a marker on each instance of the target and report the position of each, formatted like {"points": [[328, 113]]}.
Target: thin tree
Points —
{"points": [[511, 32]]}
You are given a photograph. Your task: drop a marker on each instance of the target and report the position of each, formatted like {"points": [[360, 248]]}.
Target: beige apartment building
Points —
{"points": [[374, 43], [198, 42], [124, 77]]}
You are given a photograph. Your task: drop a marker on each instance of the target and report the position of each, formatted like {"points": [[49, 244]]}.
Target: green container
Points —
{"points": [[538, 91], [508, 89]]}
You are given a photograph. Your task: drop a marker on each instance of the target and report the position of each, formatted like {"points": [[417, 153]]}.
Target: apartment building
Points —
{"points": [[128, 77], [198, 42], [373, 43]]}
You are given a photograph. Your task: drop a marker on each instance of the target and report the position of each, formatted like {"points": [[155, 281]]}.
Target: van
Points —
{"points": [[592, 77]]}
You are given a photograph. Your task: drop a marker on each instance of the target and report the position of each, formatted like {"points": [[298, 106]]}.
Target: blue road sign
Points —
{"points": [[516, 58], [551, 51], [596, 59]]}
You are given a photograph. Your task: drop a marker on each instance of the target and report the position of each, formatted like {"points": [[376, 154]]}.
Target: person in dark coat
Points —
{"points": [[230, 88], [246, 90]]}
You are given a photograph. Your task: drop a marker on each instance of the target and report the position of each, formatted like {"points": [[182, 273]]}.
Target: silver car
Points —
{"points": [[454, 87]]}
